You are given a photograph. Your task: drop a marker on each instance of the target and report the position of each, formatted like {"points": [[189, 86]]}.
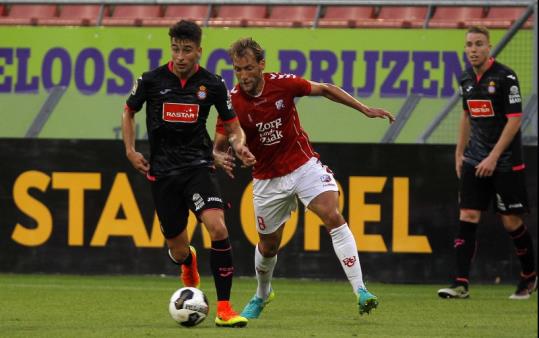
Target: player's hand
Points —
{"points": [[245, 155], [379, 113], [138, 162], [486, 167], [225, 161]]}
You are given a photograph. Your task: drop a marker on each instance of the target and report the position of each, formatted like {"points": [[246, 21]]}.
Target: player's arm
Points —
{"points": [[462, 141], [222, 153], [134, 103], [128, 133], [338, 95], [488, 165], [236, 139]]}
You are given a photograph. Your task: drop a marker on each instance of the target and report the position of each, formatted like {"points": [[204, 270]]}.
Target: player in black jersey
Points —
{"points": [[489, 164], [178, 99]]}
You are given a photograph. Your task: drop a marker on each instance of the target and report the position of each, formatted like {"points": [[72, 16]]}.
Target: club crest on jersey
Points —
{"points": [[514, 95], [491, 87], [202, 94], [279, 104], [180, 112], [325, 178], [480, 108]]}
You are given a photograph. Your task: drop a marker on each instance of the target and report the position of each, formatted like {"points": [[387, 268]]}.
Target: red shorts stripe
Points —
{"points": [[513, 115], [519, 167]]}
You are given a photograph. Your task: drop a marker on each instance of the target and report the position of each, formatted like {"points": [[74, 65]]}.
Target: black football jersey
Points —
{"points": [[176, 117], [489, 101]]}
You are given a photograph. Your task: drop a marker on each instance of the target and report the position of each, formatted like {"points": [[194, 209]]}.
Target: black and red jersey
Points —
{"points": [[176, 114], [489, 101]]}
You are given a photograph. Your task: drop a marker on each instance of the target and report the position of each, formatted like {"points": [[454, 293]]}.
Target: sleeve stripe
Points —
{"points": [[128, 109], [513, 115]]}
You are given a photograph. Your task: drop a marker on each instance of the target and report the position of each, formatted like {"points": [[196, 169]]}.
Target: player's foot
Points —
{"points": [[366, 301], [525, 288], [456, 290], [255, 306], [227, 317], [190, 276]]}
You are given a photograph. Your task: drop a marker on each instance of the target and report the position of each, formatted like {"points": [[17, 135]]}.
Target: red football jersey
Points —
{"points": [[271, 125]]}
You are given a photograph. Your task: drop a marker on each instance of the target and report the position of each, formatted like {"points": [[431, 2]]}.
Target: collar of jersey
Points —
{"points": [[490, 63], [170, 67], [261, 91]]}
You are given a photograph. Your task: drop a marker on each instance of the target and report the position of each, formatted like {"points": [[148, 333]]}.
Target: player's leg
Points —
{"points": [[318, 191], [265, 261], [273, 204], [475, 195], [173, 212], [326, 206], [204, 199], [511, 204]]}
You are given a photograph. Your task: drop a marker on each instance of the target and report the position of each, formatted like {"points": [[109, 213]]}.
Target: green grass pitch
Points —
{"points": [[136, 306]]}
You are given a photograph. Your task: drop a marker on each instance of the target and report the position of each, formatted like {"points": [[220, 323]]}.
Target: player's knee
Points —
{"points": [[511, 222], [268, 249], [333, 218], [180, 253], [471, 216], [217, 232]]}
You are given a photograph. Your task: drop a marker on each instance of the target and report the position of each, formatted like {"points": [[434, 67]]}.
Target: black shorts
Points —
{"points": [[196, 190], [506, 190]]}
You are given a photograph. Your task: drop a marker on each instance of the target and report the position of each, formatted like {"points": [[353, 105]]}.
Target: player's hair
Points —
{"points": [[480, 30], [240, 48], [186, 30]]}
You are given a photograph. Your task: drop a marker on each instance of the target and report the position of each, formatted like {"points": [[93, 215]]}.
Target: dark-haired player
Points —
{"points": [[178, 97], [489, 164]]}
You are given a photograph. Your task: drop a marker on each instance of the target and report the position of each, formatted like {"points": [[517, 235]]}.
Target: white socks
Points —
{"points": [[345, 248], [264, 272]]}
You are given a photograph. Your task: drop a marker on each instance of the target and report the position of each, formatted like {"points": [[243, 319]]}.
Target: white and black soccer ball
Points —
{"points": [[188, 306]]}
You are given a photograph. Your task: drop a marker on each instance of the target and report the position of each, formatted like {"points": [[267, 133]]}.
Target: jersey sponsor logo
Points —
{"points": [[198, 201], [180, 112], [201, 94], [279, 104], [270, 132], [480, 108], [514, 95]]}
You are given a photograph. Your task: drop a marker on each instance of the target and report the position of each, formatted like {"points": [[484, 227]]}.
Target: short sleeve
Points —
{"points": [[512, 96], [138, 95], [223, 102], [296, 85]]}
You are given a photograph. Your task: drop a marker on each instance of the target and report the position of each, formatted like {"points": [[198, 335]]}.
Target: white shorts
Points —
{"points": [[275, 198]]}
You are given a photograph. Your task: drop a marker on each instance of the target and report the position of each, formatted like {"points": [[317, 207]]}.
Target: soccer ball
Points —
{"points": [[188, 306]]}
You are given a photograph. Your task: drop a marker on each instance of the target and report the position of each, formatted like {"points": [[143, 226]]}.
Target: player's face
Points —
{"points": [[249, 73], [185, 55], [477, 49]]}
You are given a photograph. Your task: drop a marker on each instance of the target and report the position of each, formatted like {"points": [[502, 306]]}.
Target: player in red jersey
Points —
{"points": [[287, 166]]}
